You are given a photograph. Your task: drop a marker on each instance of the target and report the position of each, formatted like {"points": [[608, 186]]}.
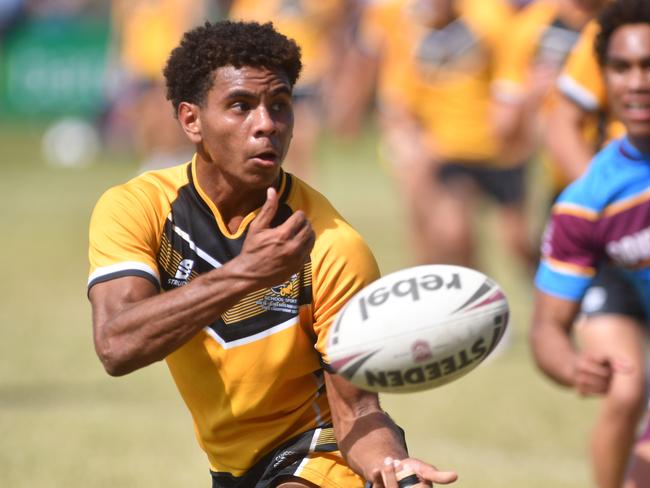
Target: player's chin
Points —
{"points": [[263, 177], [638, 130]]}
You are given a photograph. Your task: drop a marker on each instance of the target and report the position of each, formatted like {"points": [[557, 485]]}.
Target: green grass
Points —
{"points": [[65, 423]]}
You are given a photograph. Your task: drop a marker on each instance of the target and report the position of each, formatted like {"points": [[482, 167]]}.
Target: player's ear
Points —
{"points": [[190, 119]]}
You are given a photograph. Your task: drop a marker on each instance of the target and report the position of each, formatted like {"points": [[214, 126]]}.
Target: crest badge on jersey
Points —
{"points": [[282, 298]]}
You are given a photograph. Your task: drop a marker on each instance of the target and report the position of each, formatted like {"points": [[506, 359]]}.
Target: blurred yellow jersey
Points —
{"points": [[147, 30], [253, 378], [443, 76], [309, 22], [582, 81], [536, 36]]}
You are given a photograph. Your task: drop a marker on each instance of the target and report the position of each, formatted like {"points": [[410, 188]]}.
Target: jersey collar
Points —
{"points": [[631, 152]]}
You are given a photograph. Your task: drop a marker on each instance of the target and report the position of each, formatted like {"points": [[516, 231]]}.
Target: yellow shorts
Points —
{"points": [[312, 456]]}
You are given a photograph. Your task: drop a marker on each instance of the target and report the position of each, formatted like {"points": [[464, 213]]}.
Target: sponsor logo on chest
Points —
{"points": [[183, 273], [631, 249]]}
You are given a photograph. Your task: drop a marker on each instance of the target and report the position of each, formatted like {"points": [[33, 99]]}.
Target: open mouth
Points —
{"points": [[270, 156], [637, 105], [637, 110]]}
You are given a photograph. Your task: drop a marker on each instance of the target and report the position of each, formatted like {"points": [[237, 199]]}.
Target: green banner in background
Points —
{"points": [[54, 67]]}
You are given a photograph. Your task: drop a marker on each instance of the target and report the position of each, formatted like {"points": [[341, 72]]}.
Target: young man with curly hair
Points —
{"points": [[253, 265], [603, 220]]}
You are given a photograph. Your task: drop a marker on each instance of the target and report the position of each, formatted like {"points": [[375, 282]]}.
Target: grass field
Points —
{"points": [[65, 423]]}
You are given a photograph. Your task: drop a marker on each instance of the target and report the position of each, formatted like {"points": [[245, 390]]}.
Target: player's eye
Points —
{"points": [[279, 105], [240, 106], [618, 66]]}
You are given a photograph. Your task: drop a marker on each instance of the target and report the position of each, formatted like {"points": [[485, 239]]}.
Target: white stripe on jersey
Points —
{"points": [[255, 337], [124, 266], [199, 252]]}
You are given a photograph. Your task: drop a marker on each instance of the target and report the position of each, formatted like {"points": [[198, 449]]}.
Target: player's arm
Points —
{"points": [[514, 116], [550, 336], [135, 326], [555, 353], [565, 137], [368, 437]]}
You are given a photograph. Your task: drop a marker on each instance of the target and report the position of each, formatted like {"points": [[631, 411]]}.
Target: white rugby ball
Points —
{"points": [[417, 328]]}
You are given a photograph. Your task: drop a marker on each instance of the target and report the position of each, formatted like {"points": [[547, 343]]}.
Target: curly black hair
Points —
{"points": [[615, 15], [190, 67]]}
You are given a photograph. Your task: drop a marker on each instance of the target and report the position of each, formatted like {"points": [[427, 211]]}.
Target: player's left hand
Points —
{"points": [[394, 470]]}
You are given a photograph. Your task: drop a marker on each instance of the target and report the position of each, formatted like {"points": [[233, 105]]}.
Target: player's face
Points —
{"points": [[627, 75], [246, 123]]}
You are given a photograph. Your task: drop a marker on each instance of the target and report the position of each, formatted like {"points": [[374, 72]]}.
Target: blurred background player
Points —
{"points": [[534, 51], [435, 61], [580, 121], [139, 117], [316, 25], [603, 219]]}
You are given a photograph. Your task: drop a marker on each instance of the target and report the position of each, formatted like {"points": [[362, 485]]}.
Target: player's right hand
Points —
{"points": [[592, 374], [410, 472], [271, 255]]}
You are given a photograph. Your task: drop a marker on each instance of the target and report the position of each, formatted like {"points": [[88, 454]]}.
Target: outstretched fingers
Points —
{"points": [[410, 472], [430, 473]]}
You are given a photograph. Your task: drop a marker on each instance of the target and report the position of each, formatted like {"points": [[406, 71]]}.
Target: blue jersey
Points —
{"points": [[601, 218]]}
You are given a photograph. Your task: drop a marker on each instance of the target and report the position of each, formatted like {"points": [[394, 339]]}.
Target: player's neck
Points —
{"points": [[232, 201], [640, 143]]}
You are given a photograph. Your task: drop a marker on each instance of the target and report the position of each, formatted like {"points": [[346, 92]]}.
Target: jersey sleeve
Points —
{"points": [[581, 79], [122, 237], [343, 265], [569, 256]]}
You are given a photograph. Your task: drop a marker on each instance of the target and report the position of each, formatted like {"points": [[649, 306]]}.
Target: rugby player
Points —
{"points": [[603, 219], [532, 56], [436, 59], [253, 265], [581, 122]]}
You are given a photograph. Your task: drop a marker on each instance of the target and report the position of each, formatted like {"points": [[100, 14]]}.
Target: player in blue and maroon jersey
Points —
{"points": [[603, 221]]}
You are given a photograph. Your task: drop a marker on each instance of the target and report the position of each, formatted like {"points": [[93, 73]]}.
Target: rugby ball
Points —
{"points": [[417, 328]]}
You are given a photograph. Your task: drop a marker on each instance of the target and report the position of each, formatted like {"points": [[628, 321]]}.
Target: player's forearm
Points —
{"points": [[148, 330], [514, 125], [370, 440], [366, 435], [553, 352]]}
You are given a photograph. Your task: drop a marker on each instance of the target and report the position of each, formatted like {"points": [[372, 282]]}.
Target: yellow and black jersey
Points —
{"points": [[253, 378], [538, 36], [582, 82], [581, 79]]}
